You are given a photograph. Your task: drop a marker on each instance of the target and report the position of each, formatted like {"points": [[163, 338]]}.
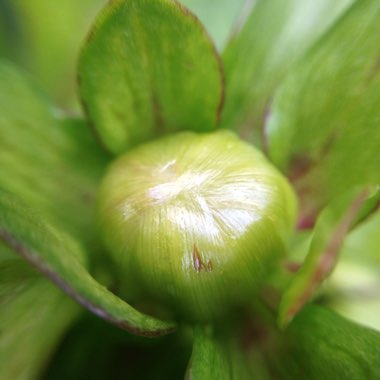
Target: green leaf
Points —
{"points": [[328, 346], [147, 68], [58, 257], [52, 163], [323, 129], [34, 315], [218, 16], [331, 229], [275, 35]]}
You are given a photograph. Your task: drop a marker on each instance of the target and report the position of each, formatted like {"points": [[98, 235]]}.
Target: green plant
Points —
{"points": [[305, 93]]}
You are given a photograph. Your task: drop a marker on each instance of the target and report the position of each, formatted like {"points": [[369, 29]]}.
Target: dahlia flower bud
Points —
{"points": [[195, 221]]}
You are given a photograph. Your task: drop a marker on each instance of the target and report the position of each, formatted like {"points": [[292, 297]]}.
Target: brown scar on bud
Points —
{"points": [[198, 264]]}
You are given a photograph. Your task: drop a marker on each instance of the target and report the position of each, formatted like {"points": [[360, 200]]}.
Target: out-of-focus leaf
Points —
{"points": [[331, 229], [276, 34], [328, 346], [10, 32], [218, 16], [34, 315], [353, 290], [53, 164], [58, 257], [95, 350], [147, 68], [324, 125], [363, 243], [216, 358], [44, 37]]}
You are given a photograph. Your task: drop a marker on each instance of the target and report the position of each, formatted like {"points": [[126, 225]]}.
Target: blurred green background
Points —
{"points": [[44, 37]]}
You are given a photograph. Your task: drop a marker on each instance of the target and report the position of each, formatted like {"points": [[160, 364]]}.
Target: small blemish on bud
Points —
{"points": [[198, 264]]}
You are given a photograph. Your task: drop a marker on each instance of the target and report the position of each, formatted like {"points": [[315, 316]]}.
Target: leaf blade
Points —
{"points": [[56, 255], [166, 73]]}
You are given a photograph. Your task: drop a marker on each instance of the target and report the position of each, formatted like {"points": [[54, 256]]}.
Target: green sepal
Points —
{"points": [[59, 257], [148, 68]]}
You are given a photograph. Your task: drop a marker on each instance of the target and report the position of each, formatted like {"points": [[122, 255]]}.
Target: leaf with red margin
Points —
{"points": [[56, 256], [148, 67], [218, 16]]}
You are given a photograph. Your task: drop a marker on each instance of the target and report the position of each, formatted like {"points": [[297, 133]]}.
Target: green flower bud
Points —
{"points": [[195, 221]]}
